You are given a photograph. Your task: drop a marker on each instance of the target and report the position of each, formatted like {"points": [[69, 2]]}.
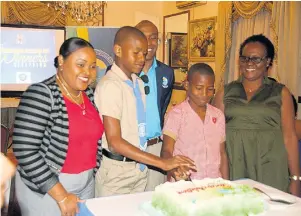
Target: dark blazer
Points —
{"points": [[164, 73], [165, 80]]}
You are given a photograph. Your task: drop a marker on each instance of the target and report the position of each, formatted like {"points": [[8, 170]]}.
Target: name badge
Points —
{"points": [[164, 82], [142, 129]]}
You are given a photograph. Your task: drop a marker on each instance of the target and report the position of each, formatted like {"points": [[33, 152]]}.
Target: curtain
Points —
{"points": [[241, 29], [279, 21], [286, 25], [229, 12], [223, 40], [38, 13], [249, 9], [34, 13]]}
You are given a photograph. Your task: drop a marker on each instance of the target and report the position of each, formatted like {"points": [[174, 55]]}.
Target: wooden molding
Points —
{"points": [[9, 102], [167, 16], [189, 4]]}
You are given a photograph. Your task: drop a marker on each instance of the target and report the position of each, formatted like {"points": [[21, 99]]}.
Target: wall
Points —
{"points": [[210, 9], [133, 12], [130, 13], [123, 13], [299, 92], [119, 13], [202, 11]]}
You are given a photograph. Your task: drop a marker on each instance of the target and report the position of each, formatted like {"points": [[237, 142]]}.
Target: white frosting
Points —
{"points": [[201, 196]]}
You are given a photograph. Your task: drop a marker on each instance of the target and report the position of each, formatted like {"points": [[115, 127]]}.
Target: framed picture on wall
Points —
{"points": [[180, 77], [178, 50], [201, 39]]}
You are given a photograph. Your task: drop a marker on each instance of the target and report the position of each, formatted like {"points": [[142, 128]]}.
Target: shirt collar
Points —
{"points": [[153, 67], [187, 104], [265, 81], [117, 70]]}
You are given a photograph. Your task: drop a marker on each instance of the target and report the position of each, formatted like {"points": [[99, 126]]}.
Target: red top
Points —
{"points": [[84, 133]]}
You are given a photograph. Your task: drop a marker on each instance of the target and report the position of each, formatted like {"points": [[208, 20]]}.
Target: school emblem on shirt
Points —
{"points": [[164, 82], [141, 130], [214, 120]]}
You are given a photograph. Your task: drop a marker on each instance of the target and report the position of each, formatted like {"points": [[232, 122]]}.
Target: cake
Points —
{"points": [[208, 197]]}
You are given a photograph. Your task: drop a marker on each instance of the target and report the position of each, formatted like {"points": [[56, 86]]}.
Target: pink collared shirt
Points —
{"points": [[196, 139]]}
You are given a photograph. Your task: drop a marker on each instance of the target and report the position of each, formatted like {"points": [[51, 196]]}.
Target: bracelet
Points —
{"points": [[295, 178], [63, 200]]}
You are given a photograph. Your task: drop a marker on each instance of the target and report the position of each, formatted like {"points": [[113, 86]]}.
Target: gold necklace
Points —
{"points": [[79, 94], [83, 108], [251, 90]]}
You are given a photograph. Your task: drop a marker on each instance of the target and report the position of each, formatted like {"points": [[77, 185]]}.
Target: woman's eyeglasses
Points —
{"points": [[255, 60], [146, 87]]}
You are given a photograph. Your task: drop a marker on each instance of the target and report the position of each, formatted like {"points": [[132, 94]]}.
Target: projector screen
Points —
{"points": [[27, 55]]}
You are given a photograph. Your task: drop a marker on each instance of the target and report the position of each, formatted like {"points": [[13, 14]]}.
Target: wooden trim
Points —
{"points": [[103, 15], [189, 4], [9, 102], [163, 40], [32, 26], [167, 16], [178, 86], [176, 14]]}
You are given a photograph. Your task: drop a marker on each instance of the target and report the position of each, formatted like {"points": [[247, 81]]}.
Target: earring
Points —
{"points": [[60, 66]]}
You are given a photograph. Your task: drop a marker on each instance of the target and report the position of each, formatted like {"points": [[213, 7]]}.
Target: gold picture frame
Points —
{"points": [[201, 39], [178, 50]]}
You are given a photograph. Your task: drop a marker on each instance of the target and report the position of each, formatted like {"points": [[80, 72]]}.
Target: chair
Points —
{"points": [[4, 138]]}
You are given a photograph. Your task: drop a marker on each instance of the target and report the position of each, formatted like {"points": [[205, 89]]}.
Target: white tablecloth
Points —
{"points": [[128, 205]]}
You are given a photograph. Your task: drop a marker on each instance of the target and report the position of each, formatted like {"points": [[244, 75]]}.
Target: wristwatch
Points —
{"points": [[295, 178]]}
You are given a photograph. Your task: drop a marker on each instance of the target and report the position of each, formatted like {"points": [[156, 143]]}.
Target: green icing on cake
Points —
{"points": [[162, 202], [236, 200]]}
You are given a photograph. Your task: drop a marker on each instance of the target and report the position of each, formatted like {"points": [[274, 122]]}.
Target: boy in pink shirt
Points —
{"points": [[196, 129]]}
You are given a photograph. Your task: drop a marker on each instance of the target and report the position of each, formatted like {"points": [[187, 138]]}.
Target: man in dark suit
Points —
{"points": [[158, 80]]}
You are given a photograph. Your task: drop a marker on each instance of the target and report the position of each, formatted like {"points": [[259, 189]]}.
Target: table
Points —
{"points": [[128, 205], [9, 102]]}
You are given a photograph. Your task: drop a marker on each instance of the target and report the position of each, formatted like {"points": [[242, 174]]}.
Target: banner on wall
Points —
{"points": [[102, 39]]}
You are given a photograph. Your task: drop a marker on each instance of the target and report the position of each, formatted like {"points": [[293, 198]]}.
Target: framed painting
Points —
{"points": [[201, 40], [180, 77], [178, 50]]}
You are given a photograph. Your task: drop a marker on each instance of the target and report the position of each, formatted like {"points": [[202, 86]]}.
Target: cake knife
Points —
{"points": [[275, 199], [189, 179]]}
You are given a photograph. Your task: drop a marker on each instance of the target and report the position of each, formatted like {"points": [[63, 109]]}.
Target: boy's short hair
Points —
{"points": [[201, 68], [126, 32]]}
